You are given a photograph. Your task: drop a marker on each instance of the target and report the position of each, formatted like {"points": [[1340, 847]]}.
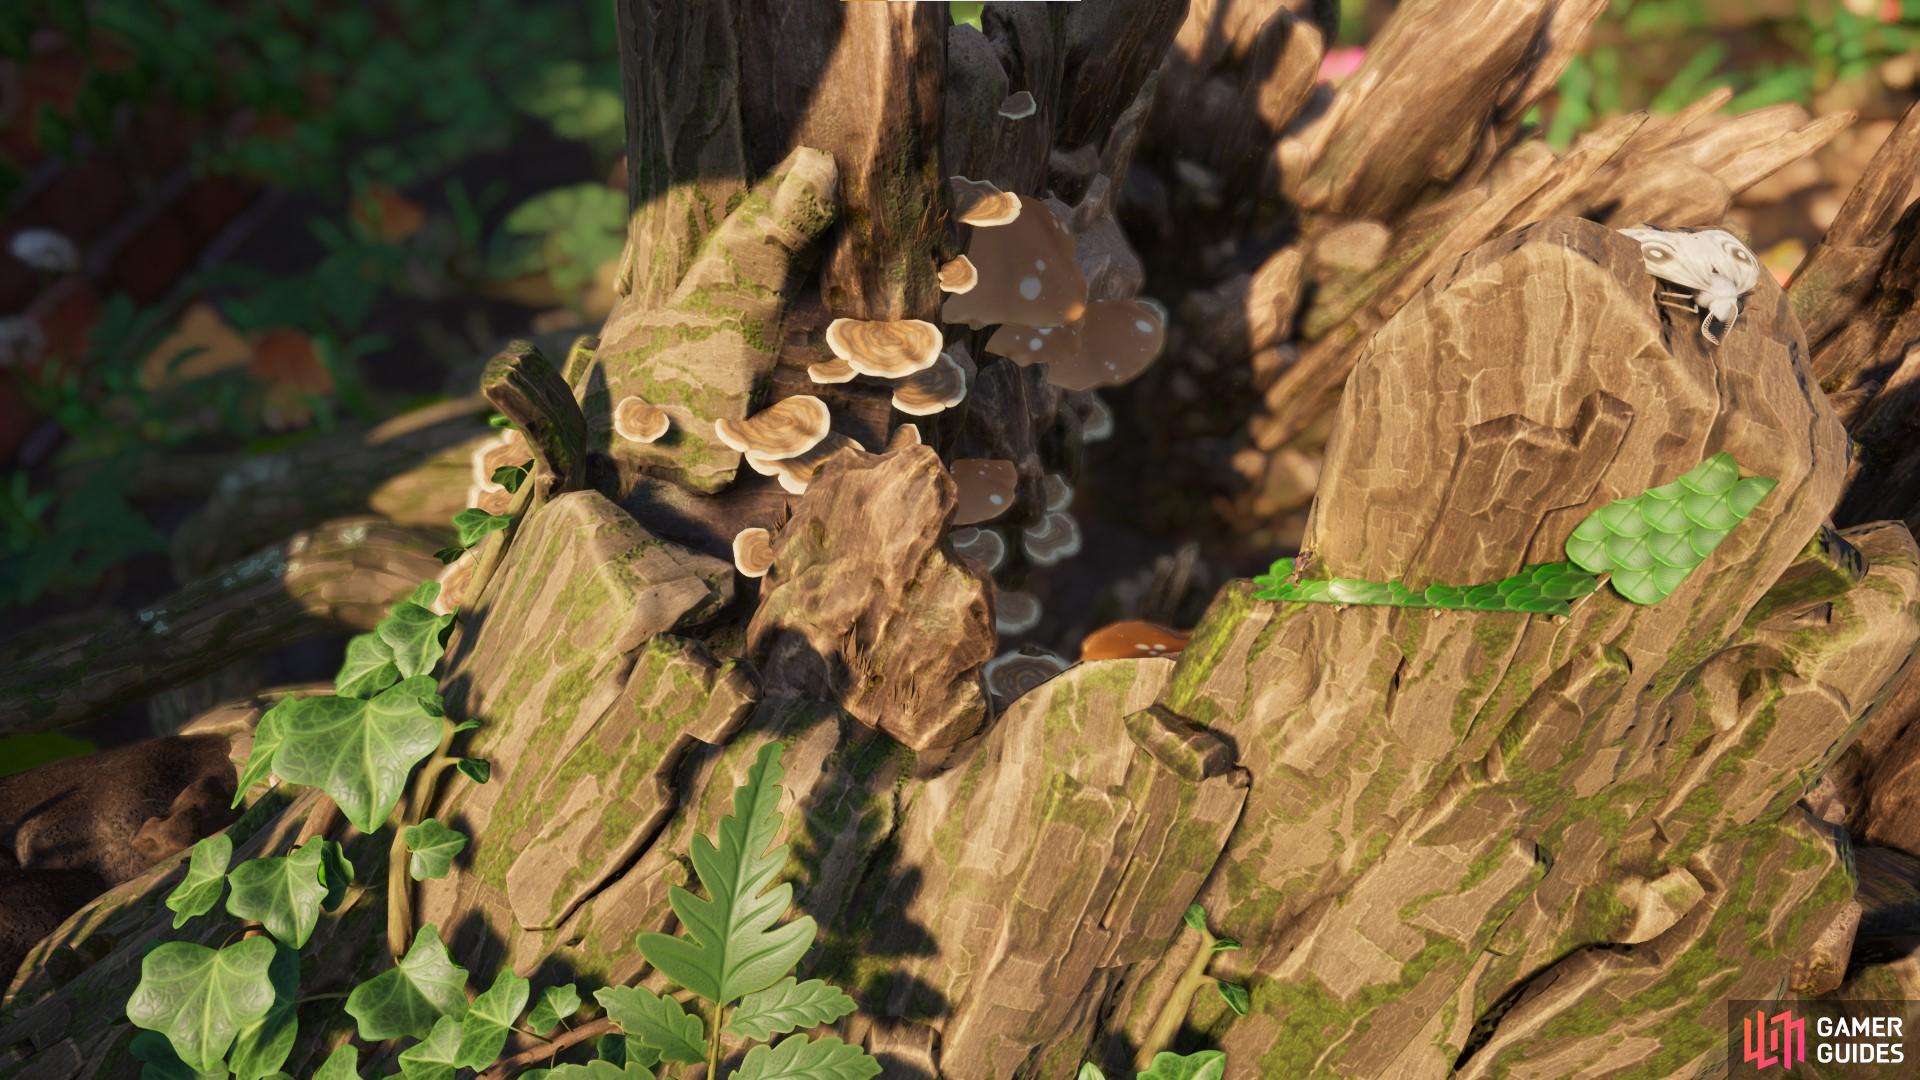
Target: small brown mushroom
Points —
{"points": [[828, 372], [786, 429], [453, 579], [753, 552], [1118, 341], [1019, 106], [1027, 274], [959, 275], [1015, 612], [904, 436], [796, 473], [985, 489], [982, 549], [1059, 493], [887, 350], [1133, 639], [1012, 674], [637, 421], [1053, 540], [1030, 345], [934, 390], [983, 205]]}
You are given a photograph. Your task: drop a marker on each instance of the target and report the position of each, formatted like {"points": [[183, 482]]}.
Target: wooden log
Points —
{"points": [[525, 387]]}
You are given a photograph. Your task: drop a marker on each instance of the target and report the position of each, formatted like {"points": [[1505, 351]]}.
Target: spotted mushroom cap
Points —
{"points": [[1015, 612], [637, 421], [1119, 339], [1055, 539], [797, 473], [1027, 274], [786, 429], [753, 551], [1030, 345], [888, 350], [959, 275], [1014, 673], [934, 390], [1133, 639], [985, 489], [829, 372]]}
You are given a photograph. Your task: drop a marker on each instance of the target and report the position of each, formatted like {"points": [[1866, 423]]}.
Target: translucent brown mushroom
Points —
{"points": [[1030, 345], [637, 421], [982, 549], [1117, 342], [985, 487], [983, 205], [788, 428], [753, 552], [959, 275], [888, 350], [1016, 612], [934, 390], [1012, 674], [1026, 271], [1054, 539], [1132, 639], [796, 473]]}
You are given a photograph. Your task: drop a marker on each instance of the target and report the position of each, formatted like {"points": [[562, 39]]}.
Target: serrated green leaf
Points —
{"points": [[261, 1049], [556, 1003], [342, 1064], [732, 947], [361, 751], [432, 1057], [200, 998], [267, 736], [511, 476], [654, 1021], [410, 998], [282, 894], [206, 879], [432, 847], [336, 873], [416, 636], [478, 770], [1235, 996], [788, 1005], [369, 667], [1195, 918], [473, 524], [1205, 1065], [484, 1029], [798, 1057], [161, 1063]]}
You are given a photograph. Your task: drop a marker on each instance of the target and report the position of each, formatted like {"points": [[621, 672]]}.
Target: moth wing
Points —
{"points": [[1737, 261], [1692, 261]]}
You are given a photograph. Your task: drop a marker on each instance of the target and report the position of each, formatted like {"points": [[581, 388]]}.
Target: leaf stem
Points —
{"points": [[505, 1067], [399, 883], [1174, 1012], [713, 1041]]}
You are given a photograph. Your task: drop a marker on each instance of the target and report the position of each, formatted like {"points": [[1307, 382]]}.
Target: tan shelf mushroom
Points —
{"points": [[453, 579], [904, 436], [753, 552], [983, 205], [1055, 539], [788, 428], [985, 489], [1014, 673], [797, 473], [934, 390], [1096, 419], [959, 275], [982, 549], [507, 448], [830, 372], [1059, 493], [1027, 274], [1016, 612], [886, 350], [1133, 639], [1019, 106], [637, 421], [1119, 339]]}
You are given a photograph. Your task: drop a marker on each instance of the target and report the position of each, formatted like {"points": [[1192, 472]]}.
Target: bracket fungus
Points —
{"points": [[934, 390], [982, 549], [1096, 419], [904, 436], [508, 448], [1026, 273], [1133, 639], [786, 429], [637, 421], [1014, 673], [1019, 106], [753, 552], [985, 487], [796, 473], [888, 349], [1055, 539], [831, 372], [1016, 612], [959, 275], [983, 205], [1059, 493], [453, 579]]}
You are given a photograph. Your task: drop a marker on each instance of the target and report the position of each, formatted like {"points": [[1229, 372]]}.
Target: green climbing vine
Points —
{"points": [[1643, 547]]}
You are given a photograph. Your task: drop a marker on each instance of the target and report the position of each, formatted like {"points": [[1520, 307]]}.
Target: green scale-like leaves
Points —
{"points": [[1545, 589], [1651, 542], [201, 998]]}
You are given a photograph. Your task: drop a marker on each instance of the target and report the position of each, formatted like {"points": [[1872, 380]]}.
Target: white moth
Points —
{"points": [[1712, 262]]}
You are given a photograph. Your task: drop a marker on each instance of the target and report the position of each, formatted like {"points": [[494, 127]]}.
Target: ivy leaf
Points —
{"points": [[336, 873], [473, 524], [788, 1005], [1196, 918], [1225, 944], [409, 998], [1235, 996], [498, 420], [342, 1064], [206, 879], [433, 847], [556, 1003], [432, 1057], [511, 476], [282, 894], [361, 752], [449, 555], [161, 1063], [267, 736], [801, 1058], [260, 1049], [200, 998], [478, 770], [1088, 1071], [599, 1070], [369, 667], [484, 1031], [654, 1021], [415, 634], [465, 725], [733, 948], [1205, 1065]]}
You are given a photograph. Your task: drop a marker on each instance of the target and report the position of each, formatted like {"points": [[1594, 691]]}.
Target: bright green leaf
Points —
{"points": [[433, 1057], [416, 635], [798, 1057], [478, 770], [556, 1003], [1205, 1065], [1196, 918], [1225, 944], [266, 743], [1235, 996], [200, 998], [473, 524], [161, 1063], [732, 947], [369, 667], [336, 873], [511, 476], [484, 1031], [261, 1049], [498, 420], [655, 1021], [282, 894], [600, 1070], [433, 847], [409, 998], [206, 879], [342, 1064], [788, 1005], [1088, 1071], [361, 752], [449, 555]]}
